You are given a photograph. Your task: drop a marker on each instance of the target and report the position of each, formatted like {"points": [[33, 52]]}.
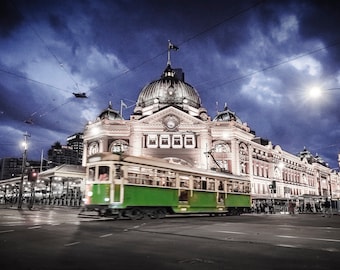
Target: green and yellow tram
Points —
{"points": [[134, 187]]}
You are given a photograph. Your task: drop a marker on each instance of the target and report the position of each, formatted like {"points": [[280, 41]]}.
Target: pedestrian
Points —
{"points": [[327, 209], [291, 207]]}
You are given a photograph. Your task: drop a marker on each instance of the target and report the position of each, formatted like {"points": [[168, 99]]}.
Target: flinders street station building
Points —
{"points": [[170, 123]]}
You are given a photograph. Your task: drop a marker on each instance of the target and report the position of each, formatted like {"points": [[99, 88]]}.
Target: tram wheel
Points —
{"points": [[161, 213], [134, 213]]}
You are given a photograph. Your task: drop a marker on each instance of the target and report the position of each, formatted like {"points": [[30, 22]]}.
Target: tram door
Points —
{"points": [[98, 190], [117, 183], [183, 195]]}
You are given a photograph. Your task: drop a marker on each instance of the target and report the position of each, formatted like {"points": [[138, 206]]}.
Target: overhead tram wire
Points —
{"points": [[135, 67], [274, 65], [130, 69], [181, 43], [32, 80], [222, 22], [47, 47]]}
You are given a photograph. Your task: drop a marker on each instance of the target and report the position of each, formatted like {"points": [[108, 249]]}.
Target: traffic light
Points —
{"points": [[32, 175], [274, 186]]}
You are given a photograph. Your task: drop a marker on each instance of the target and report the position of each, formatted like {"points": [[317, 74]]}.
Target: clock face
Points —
{"points": [[171, 122]]}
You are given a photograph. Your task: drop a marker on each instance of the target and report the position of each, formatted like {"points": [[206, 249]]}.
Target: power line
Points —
{"points": [[31, 80], [275, 65], [222, 22], [47, 47], [181, 43]]}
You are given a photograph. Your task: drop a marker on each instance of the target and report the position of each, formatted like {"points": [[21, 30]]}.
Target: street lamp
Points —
{"points": [[23, 168]]}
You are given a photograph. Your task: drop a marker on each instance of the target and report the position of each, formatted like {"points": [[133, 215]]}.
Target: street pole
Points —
{"points": [[23, 168]]}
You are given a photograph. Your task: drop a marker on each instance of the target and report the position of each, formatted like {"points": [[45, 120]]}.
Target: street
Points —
{"points": [[59, 238]]}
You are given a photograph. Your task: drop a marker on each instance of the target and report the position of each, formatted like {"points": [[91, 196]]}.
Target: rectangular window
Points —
{"points": [[189, 141], [220, 198], [184, 181], [103, 174], [165, 141], [152, 141], [211, 184], [91, 174], [177, 141]]}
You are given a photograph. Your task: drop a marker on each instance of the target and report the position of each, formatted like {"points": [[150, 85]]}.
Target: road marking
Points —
{"points": [[231, 232], [34, 227], [7, 231], [309, 238], [287, 246], [71, 244], [325, 239], [331, 249], [105, 235], [287, 236]]}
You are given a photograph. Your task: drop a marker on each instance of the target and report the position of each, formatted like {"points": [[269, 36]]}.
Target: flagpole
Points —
{"points": [[169, 62]]}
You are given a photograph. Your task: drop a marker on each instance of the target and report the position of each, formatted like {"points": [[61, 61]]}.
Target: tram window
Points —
{"points": [[171, 181], [236, 187], [204, 184], [183, 195], [211, 184], [184, 181], [132, 177], [103, 173], [221, 197], [247, 188], [197, 182], [91, 173], [241, 187], [220, 185], [230, 186]]}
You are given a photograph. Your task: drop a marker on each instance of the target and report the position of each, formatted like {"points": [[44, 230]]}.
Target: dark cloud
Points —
{"points": [[10, 18], [259, 57]]}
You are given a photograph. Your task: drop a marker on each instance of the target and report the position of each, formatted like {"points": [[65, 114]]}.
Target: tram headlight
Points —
{"points": [[107, 199], [89, 193]]}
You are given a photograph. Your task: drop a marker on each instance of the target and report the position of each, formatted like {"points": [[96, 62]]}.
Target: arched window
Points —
{"points": [[119, 146]]}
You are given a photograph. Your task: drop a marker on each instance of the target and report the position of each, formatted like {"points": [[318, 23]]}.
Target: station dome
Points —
{"points": [[170, 89], [110, 114], [226, 116]]}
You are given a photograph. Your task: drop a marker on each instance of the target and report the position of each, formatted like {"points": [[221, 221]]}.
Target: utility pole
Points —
{"points": [[23, 169]]}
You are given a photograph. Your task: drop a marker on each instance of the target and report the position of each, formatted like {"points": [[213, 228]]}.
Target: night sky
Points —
{"points": [[258, 57]]}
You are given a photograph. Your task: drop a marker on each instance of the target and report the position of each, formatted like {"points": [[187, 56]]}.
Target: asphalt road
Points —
{"points": [[60, 239]]}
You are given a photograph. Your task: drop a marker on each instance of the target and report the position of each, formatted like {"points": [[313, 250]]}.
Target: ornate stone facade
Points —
{"points": [[169, 122]]}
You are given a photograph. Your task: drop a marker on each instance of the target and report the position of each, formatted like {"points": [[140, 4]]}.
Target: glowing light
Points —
{"points": [[281, 165], [315, 92]]}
